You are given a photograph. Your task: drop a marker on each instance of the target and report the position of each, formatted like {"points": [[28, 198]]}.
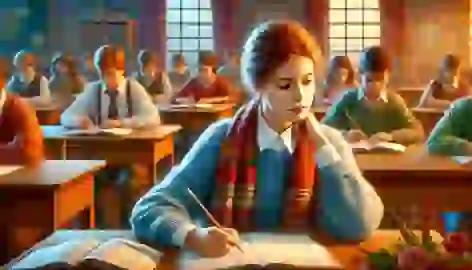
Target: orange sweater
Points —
{"points": [[21, 139]]}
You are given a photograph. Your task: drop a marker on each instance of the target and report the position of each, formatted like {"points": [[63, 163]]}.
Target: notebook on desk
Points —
{"points": [[115, 254], [99, 131], [270, 251], [366, 146]]}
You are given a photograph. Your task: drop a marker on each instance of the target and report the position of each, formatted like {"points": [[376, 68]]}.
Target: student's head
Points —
{"points": [[232, 58], [24, 61], [449, 70], [109, 65], [147, 62], [278, 64], [207, 63], [178, 60], [4, 68], [61, 64], [88, 62], [374, 67], [340, 71]]}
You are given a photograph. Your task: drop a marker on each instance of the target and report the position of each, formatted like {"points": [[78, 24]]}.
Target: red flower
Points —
{"points": [[413, 258], [456, 243]]}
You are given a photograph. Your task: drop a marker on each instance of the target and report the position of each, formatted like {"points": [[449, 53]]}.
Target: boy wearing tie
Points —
{"points": [[21, 140], [113, 102], [372, 111]]}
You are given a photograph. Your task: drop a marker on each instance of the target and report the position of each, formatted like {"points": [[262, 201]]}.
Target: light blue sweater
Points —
{"points": [[349, 207]]}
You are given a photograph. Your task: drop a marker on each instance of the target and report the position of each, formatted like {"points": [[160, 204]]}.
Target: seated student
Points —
{"points": [[155, 81], [179, 75], [340, 77], [65, 81], [206, 85], [277, 132], [21, 139], [447, 87], [27, 82], [88, 68], [372, 111]]}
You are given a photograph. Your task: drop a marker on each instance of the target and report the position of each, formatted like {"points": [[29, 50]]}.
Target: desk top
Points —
{"points": [[215, 108], [349, 254], [156, 133], [427, 110], [49, 173]]}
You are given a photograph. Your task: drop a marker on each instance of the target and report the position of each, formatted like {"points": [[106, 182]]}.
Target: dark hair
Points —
{"points": [[374, 59], [271, 45], [67, 60], [4, 71], [207, 58], [146, 57], [178, 58], [338, 62], [450, 62]]}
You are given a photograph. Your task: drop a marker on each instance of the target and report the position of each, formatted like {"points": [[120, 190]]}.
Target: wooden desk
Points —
{"points": [[194, 119], [411, 95], [36, 201], [48, 115], [349, 254], [415, 177], [147, 146], [428, 117]]}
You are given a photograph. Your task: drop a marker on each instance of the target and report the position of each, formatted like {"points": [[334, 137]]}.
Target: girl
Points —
{"points": [[180, 74], [340, 77], [447, 87], [257, 170], [65, 81]]}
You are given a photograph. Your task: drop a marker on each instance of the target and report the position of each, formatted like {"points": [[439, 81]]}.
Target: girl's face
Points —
{"points": [[61, 68], [374, 83], [289, 93], [340, 76]]}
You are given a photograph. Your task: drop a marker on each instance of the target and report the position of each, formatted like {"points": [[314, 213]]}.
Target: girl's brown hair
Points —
{"points": [[338, 62], [271, 45], [69, 62]]}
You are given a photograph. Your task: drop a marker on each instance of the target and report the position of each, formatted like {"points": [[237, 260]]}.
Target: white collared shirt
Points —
{"points": [[3, 97], [120, 100], [267, 138]]}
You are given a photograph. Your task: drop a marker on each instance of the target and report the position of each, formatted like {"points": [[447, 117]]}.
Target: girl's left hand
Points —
{"points": [[314, 130]]}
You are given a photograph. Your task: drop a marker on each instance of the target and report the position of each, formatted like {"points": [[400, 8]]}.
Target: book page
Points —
{"points": [[361, 145], [126, 254], [391, 146], [263, 249], [71, 252], [4, 170], [118, 131], [458, 159]]}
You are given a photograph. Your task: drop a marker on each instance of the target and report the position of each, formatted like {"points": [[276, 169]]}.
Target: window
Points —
{"points": [[353, 25], [189, 28]]}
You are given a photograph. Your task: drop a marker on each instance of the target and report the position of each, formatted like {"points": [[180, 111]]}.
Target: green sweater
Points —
{"points": [[453, 131], [391, 116]]}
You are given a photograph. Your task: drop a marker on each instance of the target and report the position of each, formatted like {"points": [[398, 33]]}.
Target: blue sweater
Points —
{"points": [[348, 208]]}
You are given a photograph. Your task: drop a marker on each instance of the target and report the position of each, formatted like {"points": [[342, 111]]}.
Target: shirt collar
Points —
{"points": [[3, 98], [382, 97], [267, 138]]}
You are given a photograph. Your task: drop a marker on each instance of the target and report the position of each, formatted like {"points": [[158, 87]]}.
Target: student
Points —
{"points": [[206, 85], [231, 69], [340, 77], [180, 74], [155, 81], [372, 111], [88, 68], [279, 63], [27, 82], [447, 87], [65, 81], [113, 101], [21, 139]]}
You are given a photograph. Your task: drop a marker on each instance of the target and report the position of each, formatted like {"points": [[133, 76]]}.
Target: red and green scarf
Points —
{"points": [[236, 175]]}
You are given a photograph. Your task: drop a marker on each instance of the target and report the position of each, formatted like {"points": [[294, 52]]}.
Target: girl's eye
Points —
{"points": [[285, 86], [306, 82]]}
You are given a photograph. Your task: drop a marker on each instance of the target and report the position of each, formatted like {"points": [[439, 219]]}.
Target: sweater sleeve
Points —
{"points": [[337, 115], [445, 138], [164, 215], [27, 147], [410, 130]]}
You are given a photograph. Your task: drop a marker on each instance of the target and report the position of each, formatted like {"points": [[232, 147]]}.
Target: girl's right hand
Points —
{"points": [[212, 241]]}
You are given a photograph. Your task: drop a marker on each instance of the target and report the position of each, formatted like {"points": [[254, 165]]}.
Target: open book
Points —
{"points": [[99, 131], [115, 254], [366, 146], [263, 250]]}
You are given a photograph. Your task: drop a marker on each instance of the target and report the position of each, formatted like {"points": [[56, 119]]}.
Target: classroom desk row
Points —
{"points": [[38, 201]]}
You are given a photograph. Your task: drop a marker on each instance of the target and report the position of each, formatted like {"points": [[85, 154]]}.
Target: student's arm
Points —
{"points": [[82, 108], [27, 147], [427, 99], [336, 115], [411, 130], [164, 214], [44, 91], [349, 206], [167, 87], [145, 112], [186, 91], [445, 138]]}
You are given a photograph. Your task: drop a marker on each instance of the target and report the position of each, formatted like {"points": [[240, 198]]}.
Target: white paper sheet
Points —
{"points": [[8, 169]]}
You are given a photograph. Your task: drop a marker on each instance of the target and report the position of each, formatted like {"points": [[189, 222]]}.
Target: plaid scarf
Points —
{"points": [[236, 177]]}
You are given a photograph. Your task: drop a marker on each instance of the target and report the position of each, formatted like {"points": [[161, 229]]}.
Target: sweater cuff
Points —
{"points": [[327, 155], [178, 238]]}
